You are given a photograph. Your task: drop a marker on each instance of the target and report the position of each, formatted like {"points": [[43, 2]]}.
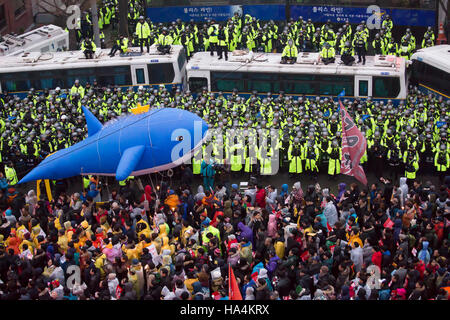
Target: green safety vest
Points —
{"points": [[124, 182], [11, 175]]}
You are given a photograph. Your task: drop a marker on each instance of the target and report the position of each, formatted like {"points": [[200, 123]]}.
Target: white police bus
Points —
{"points": [[60, 69], [382, 77], [430, 70], [49, 38]]}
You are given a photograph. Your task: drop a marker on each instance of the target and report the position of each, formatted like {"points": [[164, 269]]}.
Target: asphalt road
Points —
{"points": [[325, 181]]}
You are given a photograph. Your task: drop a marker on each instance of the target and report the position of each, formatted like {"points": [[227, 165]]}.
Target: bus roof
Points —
{"points": [[12, 43], [270, 63], [436, 56], [30, 61]]}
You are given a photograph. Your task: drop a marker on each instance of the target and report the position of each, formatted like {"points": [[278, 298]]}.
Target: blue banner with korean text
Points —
{"points": [[218, 13], [198, 13], [339, 14]]}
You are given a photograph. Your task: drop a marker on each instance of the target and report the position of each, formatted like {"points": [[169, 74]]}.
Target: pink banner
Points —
{"points": [[353, 147]]}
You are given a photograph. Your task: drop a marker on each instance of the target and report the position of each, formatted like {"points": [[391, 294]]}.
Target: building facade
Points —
{"points": [[15, 16]]}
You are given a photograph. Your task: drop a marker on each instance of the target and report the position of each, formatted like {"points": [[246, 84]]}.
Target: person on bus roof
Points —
{"points": [[88, 47], [290, 53]]}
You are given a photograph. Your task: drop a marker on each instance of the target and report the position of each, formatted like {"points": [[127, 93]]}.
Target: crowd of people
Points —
{"points": [[249, 33], [308, 130], [386, 241], [282, 242]]}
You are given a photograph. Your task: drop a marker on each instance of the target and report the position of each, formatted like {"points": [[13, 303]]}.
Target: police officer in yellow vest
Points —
{"points": [[266, 160], [88, 47], [213, 33], [164, 41], [143, 33], [77, 88], [102, 39], [11, 175], [223, 42], [328, 53], [251, 157], [290, 53], [121, 44], [295, 157], [335, 156], [235, 152], [442, 161], [411, 168]]}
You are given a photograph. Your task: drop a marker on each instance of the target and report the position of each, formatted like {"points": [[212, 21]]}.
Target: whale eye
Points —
{"points": [[180, 138]]}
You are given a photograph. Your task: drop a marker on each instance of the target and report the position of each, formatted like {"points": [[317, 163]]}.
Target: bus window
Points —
{"points": [[160, 73], [62, 45], [334, 84], [83, 74], [385, 87], [363, 88], [261, 82], [140, 76], [196, 84], [119, 76], [227, 81], [432, 77], [15, 81]]}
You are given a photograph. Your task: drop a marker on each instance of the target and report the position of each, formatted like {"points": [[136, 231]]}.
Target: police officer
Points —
{"points": [[442, 162], [394, 160], [290, 53], [164, 42], [387, 23], [143, 33], [347, 54], [359, 42], [88, 47], [334, 160], [377, 44], [328, 53], [294, 156], [377, 152], [411, 168], [222, 46], [10, 174], [213, 33], [121, 44]]}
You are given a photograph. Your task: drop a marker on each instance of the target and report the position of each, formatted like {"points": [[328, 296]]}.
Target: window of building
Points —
{"points": [[19, 7], [2, 16]]}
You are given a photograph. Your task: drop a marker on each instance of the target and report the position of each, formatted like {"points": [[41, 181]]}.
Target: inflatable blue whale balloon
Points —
{"points": [[135, 144]]}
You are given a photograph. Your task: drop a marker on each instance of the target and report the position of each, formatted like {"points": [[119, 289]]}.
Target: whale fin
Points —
{"points": [[93, 124], [130, 158]]}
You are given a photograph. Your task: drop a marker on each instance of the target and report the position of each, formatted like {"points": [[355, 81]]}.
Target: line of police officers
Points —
{"points": [[247, 32], [407, 137]]}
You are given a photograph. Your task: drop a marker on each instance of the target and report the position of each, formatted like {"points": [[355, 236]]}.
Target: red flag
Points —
{"points": [[233, 289], [353, 147]]}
